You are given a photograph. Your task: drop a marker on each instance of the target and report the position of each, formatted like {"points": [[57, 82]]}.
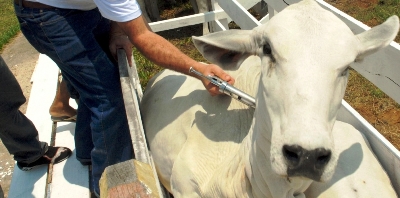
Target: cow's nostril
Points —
{"points": [[323, 157], [292, 154]]}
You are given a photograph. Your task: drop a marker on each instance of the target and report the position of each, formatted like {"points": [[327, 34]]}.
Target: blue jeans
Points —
{"points": [[77, 41]]}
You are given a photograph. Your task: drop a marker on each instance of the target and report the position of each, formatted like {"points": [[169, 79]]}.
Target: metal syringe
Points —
{"points": [[226, 88]]}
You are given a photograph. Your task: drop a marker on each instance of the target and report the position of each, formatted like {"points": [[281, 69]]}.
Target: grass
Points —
{"points": [[9, 26]]}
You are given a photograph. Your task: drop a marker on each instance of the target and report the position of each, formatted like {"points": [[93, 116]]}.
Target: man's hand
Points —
{"points": [[118, 39], [213, 70]]}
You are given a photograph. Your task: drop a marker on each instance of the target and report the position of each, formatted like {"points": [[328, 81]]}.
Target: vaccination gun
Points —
{"points": [[226, 88]]}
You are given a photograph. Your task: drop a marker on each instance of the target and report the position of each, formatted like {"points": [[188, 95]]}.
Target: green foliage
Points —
{"points": [[9, 26]]}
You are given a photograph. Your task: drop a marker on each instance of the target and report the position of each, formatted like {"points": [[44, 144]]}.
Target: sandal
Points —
{"points": [[63, 118]]}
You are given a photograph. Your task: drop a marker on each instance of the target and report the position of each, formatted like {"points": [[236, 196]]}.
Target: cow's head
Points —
{"points": [[305, 54]]}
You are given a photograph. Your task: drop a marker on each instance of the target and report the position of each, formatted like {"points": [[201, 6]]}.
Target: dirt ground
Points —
{"points": [[21, 58]]}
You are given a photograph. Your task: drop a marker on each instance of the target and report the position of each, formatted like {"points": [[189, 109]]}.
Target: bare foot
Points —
{"points": [[61, 110]]}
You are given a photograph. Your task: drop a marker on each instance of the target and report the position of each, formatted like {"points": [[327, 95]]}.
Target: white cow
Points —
{"points": [[296, 66]]}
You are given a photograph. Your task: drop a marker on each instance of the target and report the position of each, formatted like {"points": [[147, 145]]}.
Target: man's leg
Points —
{"points": [[60, 110], [17, 132], [71, 42]]}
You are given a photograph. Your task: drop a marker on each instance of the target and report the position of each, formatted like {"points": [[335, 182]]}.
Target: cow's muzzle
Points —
{"points": [[306, 163]]}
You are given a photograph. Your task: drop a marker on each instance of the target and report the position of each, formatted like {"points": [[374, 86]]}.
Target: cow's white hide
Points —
{"points": [[296, 66], [358, 173]]}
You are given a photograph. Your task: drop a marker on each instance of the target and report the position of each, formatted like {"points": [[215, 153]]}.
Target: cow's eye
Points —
{"points": [[267, 49]]}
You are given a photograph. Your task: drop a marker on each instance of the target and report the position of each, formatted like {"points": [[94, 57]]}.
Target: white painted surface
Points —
{"points": [[70, 178], [187, 20], [239, 14], [33, 183]]}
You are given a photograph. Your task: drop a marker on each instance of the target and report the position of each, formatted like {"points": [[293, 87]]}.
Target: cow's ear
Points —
{"points": [[227, 49], [377, 37]]}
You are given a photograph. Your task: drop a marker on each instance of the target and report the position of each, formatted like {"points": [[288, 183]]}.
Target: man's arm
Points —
{"points": [[163, 53]]}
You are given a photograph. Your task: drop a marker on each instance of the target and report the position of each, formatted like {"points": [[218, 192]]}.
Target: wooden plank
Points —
{"points": [[386, 153], [33, 183], [130, 85], [128, 179], [239, 14], [69, 174], [135, 85], [136, 90], [187, 20], [132, 111]]}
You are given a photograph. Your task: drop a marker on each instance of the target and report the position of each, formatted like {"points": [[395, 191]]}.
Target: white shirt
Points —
{"points": [[116, 10]]}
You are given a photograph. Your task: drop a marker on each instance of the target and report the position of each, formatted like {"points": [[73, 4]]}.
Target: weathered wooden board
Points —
{"points": [[132, 110], [112, 182], [128, 179]]}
